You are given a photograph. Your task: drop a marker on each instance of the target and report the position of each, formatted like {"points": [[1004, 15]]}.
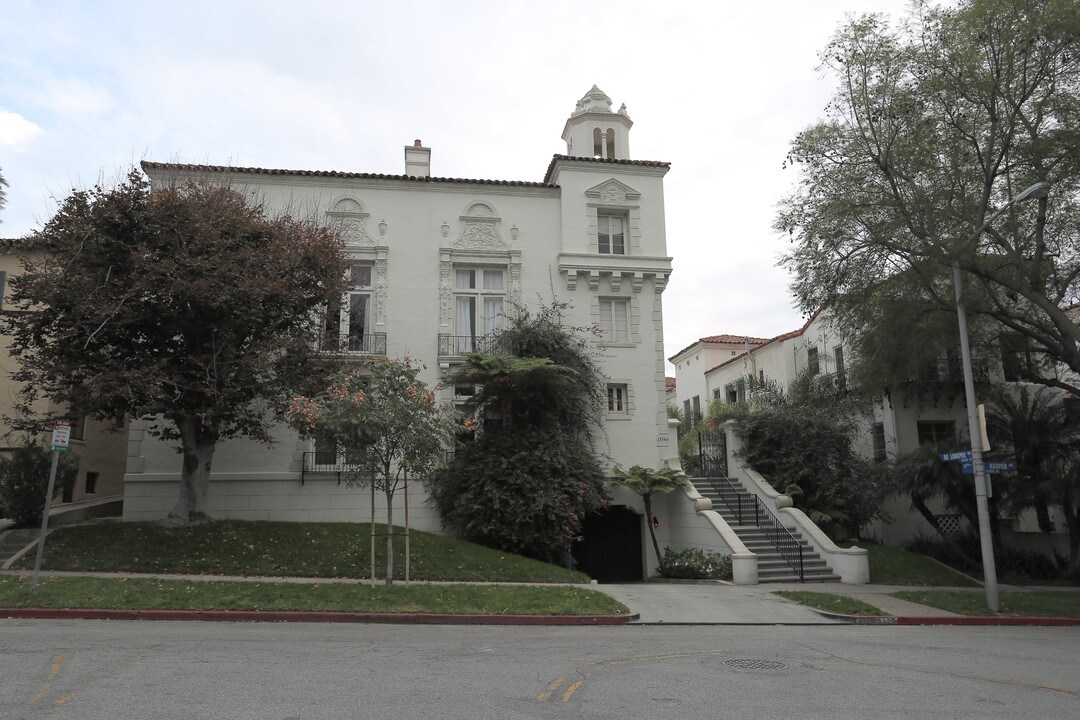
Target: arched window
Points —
{"points": [[598, 142], [610, 144]]}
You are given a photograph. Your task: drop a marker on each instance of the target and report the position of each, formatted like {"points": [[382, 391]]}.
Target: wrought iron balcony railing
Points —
{"points": [[461, 344], [373, 344]]}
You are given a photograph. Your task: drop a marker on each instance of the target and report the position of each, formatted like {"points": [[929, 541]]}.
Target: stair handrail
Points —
{"points": [[764, 518]]}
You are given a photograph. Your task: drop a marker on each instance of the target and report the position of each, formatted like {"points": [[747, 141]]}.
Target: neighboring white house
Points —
{"points": [[692, 362], [436, 264], [897, 423]]}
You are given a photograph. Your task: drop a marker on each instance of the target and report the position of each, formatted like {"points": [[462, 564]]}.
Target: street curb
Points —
{"points": [[968, 620], [312, 616]]}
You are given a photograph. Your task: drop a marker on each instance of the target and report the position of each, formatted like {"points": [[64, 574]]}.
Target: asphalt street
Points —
{"points": [[118, 670]]}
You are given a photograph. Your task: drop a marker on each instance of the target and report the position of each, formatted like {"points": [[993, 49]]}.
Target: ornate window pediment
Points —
{"points": [[480, 229], [613, 192], [348, 217]]}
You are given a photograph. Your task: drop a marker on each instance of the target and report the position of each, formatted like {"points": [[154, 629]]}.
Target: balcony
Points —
{"points": [[456, 345], [349, 345]]}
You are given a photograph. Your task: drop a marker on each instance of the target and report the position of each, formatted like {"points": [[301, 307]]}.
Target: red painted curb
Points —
{"points": [[312, 616], [993, 620]]}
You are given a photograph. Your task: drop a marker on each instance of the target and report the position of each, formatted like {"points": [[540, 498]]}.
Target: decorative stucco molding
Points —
{"points": [[480, 229], [347, 216], [615, 193]]}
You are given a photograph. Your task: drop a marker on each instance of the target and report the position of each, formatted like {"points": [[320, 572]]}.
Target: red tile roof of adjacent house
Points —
{"points": [[722, 339], [577, 158], [669, 383], [778, 338], [185, 167]]}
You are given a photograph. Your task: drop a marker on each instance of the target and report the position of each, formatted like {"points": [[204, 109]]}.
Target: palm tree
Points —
{"points": [[646, 483]]}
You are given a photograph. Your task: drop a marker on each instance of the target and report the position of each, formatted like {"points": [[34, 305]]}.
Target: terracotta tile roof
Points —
{"points": [[726, 339], [184, 167], [734, 339], [778, 338], [669, 383], [576, 158]]}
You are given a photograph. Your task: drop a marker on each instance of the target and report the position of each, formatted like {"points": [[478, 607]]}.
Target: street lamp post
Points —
{"points": [[1038, 190]]}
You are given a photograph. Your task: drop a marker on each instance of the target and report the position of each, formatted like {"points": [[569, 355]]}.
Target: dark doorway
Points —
{"points": [[610, 548]]}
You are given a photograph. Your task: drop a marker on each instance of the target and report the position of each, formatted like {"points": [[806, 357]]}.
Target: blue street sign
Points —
{"points": [[995, 467]]}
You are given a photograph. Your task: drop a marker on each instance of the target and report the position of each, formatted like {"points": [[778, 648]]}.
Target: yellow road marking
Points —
{"points": [[57, 664], [64, 699], [555, 684], [571, 690]]}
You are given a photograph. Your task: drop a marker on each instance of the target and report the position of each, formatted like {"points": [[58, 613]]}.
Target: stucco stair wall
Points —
{"points": [[772, 566]]}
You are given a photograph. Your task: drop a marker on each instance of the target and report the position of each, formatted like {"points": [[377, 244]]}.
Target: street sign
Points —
{"points": [[61, 436], [995, 467]]}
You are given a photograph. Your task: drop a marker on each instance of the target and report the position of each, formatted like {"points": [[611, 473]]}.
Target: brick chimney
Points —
{"points": [[417, 160]]}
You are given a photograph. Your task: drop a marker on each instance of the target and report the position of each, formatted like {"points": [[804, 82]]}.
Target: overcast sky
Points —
{"points": [[717, 88]]}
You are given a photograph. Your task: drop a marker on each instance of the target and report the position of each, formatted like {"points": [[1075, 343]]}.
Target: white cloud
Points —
{"points": [[15, 129]]}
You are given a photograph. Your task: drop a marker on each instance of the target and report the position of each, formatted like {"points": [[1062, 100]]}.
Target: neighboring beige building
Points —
{"points": [[436, 264], [102, 451]]}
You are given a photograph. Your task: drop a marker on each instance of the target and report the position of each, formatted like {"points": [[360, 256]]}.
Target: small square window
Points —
{"points": [[618, 400]]}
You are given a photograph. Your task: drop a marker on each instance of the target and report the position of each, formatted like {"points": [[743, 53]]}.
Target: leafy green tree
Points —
{"points": [[934, 125], [526, 479], [647, 483], [184, 305], [3, 195], [24, 482], [1034, 428], [385, 421]]}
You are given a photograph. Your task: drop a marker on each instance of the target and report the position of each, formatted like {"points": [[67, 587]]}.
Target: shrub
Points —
{"points": [[695, 564], [24, 483], [1014, 565]]}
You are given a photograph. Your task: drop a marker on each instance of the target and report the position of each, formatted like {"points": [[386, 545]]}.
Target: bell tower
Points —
{"points": [[593, 130]]}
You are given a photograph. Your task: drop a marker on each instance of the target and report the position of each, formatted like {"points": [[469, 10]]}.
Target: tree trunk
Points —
{"points": [[389, 534], [1072, 522], [919, 503], [197, 446], [652, 531]]}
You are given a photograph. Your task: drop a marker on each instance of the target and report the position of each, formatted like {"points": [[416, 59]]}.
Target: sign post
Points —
{"points": [[61, 439]]}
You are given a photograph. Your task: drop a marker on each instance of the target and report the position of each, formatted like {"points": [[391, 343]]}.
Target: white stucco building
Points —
{"points": [[436, 263]]}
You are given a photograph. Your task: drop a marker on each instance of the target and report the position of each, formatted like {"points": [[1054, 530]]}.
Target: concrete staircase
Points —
{"points": [[12, 541], [772, 566]]}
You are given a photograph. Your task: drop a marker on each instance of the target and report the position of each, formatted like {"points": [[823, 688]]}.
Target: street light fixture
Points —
{"points": [[1032, 192]]}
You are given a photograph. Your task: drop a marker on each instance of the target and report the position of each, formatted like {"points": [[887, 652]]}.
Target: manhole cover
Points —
{"points": [[748, 664]]}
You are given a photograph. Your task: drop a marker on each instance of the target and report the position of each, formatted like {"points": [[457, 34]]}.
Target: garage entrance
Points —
{"points": [[610, 548]]}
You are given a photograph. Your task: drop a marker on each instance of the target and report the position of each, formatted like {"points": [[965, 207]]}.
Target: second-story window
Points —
{"points": [[614, 320], [348, 321], [479, 296], [611, 234]]}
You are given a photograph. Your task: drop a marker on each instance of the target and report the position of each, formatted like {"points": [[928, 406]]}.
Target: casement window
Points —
{"points": [[812, 361], [611, 234], [841, 371], [731, 393], [877, 435], [479, 303], [615, 320], [936, 432], [347, 325], [618, 400], [78, 427]]}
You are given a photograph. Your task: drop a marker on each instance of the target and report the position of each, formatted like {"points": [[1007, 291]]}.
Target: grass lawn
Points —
{"points": [[154, 594], [894, 566], [965, 602], [830, 602], [229, 547]]}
